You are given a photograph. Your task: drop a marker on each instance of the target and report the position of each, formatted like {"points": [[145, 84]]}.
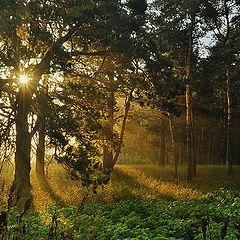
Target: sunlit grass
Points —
{"points": [[139, 184], [127, 182], [6, 179], [209, 178]]}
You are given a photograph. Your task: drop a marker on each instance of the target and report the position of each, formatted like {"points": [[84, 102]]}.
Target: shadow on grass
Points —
{"points": [[210, 178], [135, 186]]}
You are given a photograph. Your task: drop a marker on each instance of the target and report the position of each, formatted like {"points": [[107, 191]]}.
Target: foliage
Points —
{"points": [[45, 41], [73, 127], [215, 216]]}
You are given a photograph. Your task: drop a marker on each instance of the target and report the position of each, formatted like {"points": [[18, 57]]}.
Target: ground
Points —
{"points": [[128, 181], [140, 202]]}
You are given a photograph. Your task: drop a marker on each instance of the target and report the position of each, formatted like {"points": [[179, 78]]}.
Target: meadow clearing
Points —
{"points": [[139, 202]]}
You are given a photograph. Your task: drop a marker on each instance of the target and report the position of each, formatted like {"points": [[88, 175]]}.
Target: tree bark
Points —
{"points": [[189, 102], [188, 130], [127, 108], [40, 157], [193, 142], [20, 192], [229, 146], [211, 149], [162, 150], [107, 150], [107, 157], [173, 145], [183, 159]]}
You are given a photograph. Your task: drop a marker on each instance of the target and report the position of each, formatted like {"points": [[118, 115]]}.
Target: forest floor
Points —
{"points": [[140, 202], [128, 182]]}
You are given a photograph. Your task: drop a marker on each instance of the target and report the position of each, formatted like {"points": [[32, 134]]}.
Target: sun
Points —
{"points": [[23, 79]]}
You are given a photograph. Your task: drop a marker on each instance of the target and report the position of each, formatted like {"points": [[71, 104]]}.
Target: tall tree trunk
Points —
{"points": [[41, 150], [235, 147], [211, 149], [229, 146], [20, 192], [188, 131], [189, 102], [193, 142], [173, 145], [183, 157], [40, 157], [162, 150], [107, 157], [107, 150], [202, 148]]}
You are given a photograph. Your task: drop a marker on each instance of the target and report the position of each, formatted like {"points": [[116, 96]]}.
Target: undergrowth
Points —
{"points": [[140, 202], [215, 216]]}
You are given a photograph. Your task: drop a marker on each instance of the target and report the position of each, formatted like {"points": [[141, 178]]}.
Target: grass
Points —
{"points": [[209, 178], [138, 203], [147, 186], [128, 182], [6, 178]]}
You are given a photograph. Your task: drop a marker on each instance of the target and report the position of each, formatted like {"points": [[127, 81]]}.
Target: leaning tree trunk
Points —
{"points": [[229, 147], [20, 192], [127, 108]]}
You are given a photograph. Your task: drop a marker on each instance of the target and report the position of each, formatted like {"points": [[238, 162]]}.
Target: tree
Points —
{"points": [[31, 41], [41, 145], [170, 119], [222, 18], [120, 85], [180, 25], [37, 39], [162, 145]]}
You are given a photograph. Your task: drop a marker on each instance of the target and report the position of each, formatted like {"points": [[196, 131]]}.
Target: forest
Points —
{"points": [[119, 119]]}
